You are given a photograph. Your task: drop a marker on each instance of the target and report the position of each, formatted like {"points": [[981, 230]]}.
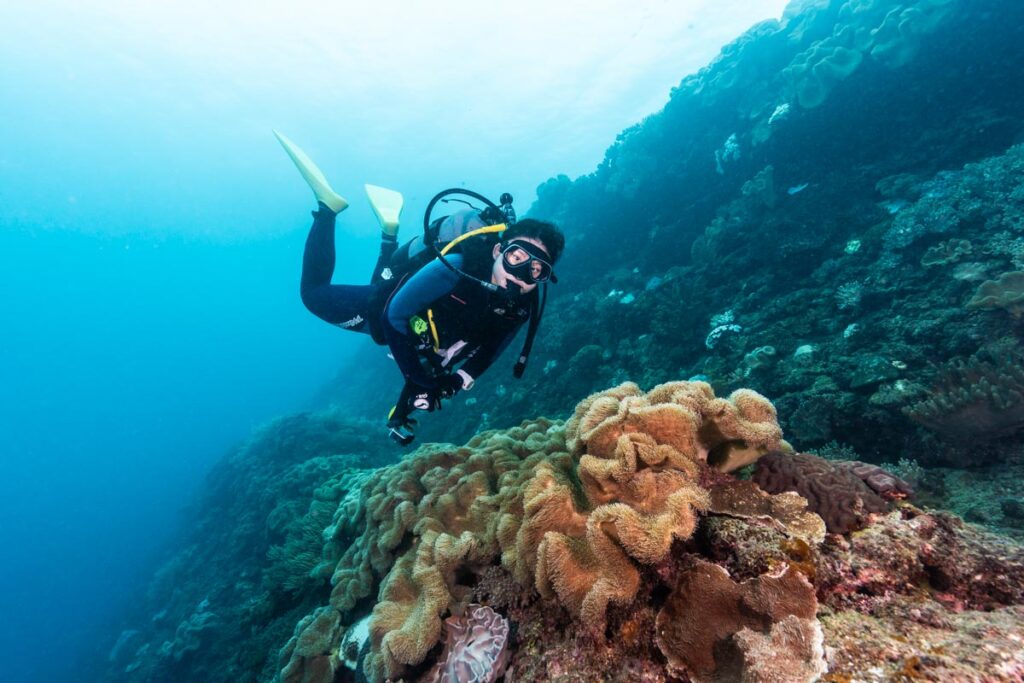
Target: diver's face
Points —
{"points": [[501, 277]]}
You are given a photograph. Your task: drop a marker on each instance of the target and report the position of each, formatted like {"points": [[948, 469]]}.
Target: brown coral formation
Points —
{"points": [[711, 626], [835, 493], [573, 512], [577, 534], [617, 546], [725, 433], [640, 459]]}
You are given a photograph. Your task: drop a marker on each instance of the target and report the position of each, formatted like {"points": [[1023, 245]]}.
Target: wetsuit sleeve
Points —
{"points": [[428, 285]]}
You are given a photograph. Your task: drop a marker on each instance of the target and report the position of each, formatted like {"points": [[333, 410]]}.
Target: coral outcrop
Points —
{"points": [[836, 493], [572, 512]]}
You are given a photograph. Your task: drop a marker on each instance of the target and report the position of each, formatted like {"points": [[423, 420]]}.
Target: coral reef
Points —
{"points": [[866, 184], [618, 544]]}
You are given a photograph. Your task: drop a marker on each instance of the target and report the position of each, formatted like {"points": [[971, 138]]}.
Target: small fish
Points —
{"points": [[797, 188]]}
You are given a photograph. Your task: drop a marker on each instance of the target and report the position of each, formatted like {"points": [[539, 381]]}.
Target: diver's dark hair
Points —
{"points": [[548, 233]]}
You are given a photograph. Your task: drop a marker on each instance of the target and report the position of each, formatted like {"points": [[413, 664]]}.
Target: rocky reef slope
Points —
{"points": [[623, 544]]}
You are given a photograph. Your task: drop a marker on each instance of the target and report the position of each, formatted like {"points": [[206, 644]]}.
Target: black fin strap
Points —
{"points": [[531, 332]]}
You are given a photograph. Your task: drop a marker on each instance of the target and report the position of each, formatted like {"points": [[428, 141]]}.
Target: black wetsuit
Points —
{"points": [[473, 325]]}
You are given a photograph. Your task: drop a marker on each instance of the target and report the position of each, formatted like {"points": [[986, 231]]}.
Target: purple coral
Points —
{"points": [[476, 649], [884, 483], [836, 492]]}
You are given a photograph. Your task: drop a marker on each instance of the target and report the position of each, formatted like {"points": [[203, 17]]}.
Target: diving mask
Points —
{"points": [[526, 261]]}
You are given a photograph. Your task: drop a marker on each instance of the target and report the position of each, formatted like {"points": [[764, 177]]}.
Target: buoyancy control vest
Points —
{"points": [[465, 232]]}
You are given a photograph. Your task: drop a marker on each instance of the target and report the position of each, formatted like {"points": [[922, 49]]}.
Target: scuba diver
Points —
{"points": [[446, 303]]}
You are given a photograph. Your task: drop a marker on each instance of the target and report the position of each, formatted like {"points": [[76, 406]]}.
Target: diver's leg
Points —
{"points": [[388, 245], [318, 257], [342, 305]]}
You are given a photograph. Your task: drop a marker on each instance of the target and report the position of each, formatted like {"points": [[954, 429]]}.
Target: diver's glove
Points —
{"points": [[416, 397], [401, 427], [429, 398], [402, 430], [426, 399]]}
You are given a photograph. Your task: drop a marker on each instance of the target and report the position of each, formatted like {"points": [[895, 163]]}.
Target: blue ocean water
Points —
{"points": [[148, 293], [130, 363]]}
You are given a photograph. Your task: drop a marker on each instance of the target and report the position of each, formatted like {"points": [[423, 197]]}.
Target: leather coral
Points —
{"points": [[640, 457], [571, 510], [727, 433]]}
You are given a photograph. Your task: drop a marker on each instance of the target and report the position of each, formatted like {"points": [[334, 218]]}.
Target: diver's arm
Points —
{"points": [[485, 356], [428, 285]]}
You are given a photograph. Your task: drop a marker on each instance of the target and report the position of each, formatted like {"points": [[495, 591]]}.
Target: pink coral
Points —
{"points": [[476, 650]]}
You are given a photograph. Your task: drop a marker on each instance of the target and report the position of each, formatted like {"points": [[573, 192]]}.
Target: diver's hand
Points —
{"points": [[402, 430]]}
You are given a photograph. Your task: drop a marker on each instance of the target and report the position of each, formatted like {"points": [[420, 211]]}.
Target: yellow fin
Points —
{"points": [[387, 204], [313, 175]]}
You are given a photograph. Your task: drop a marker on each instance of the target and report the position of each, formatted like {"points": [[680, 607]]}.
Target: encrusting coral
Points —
{"points": [[834, 492], [708, 612]]}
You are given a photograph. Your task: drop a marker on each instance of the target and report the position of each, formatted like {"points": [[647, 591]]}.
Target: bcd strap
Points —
{"points": [[485, 230], [531, 333]]}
